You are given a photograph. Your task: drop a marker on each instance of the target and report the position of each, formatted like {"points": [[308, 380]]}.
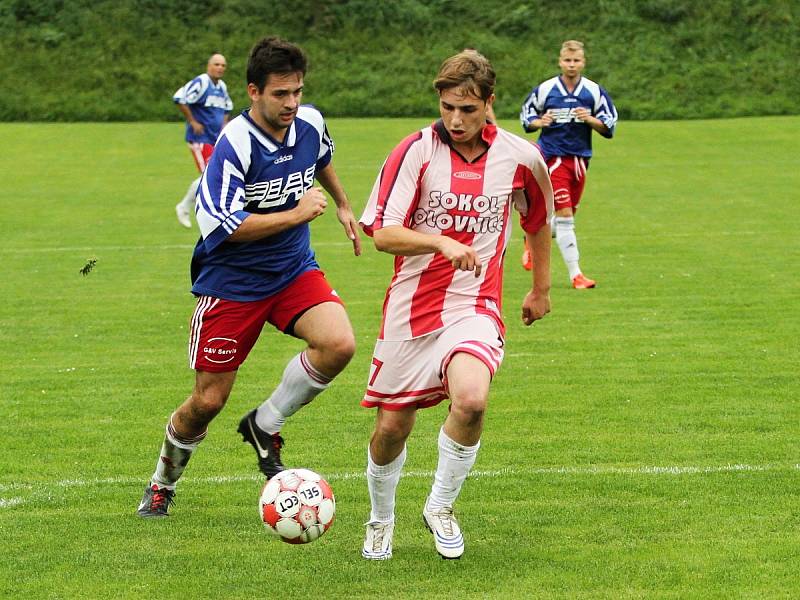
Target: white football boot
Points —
{"points": [[378, 541], [446, 532]]}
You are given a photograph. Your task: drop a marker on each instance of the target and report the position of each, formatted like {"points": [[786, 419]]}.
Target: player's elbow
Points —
{"points": [[382, 241]]}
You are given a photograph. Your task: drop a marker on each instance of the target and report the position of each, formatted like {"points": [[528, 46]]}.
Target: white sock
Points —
{"points": [[382, 483], [188, 200], [455, 462], [300, 383], [568, 244], [175, 454]]}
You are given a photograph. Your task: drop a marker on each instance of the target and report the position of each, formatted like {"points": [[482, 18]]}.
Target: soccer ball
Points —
{"points": [[297, 505]]}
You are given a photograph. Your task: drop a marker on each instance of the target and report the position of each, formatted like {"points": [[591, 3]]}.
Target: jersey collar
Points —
{"points": [[488, 135], [267, 140]]}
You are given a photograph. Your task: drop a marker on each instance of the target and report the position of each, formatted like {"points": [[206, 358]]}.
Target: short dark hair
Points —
{"points": [[274, 55]]}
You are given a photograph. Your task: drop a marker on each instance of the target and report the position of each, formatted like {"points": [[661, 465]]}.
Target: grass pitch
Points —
{"points": [[641, 441]]}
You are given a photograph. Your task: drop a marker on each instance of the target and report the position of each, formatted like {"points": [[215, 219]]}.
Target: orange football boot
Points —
{"points": [[580, 282]]}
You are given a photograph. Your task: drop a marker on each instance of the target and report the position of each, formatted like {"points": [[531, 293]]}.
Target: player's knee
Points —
{"points": [[340, 348], [469, 407], [391, 433], [207, 403]]}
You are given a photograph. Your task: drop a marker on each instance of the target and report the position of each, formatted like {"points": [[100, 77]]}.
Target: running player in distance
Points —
{"points": [[567, 109], [205, 104]]}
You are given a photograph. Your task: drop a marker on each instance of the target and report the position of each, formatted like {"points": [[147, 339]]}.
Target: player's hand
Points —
{"points": [[582, 114], [461, 256], [348, 221], [535, 306], [547, 119], [311, 205], [197, 127]]}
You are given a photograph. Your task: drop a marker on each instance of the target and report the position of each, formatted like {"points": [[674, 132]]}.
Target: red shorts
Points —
{"points": [[568, 175], [201, 153], [222, 332]]}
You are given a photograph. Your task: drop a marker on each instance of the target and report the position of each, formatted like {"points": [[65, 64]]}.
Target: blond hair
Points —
{"points": [[571, 46], [470, 70]]}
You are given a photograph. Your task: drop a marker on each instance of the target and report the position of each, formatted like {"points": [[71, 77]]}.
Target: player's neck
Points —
{"points": [[570, 82], [275, 132], [470, 150]]}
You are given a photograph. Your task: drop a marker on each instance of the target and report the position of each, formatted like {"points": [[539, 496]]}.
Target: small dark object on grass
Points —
{"points": [[87, 268]]}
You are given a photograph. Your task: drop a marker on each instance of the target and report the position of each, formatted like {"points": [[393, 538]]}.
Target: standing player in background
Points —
{"points": [[254, 264], [205, 103], [567, 108], [442, 206]]}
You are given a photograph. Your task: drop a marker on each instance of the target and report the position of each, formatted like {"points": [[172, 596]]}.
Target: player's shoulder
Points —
{"points": [[549, 84], [523, 150], [203, 81], [421, 140], [594, 88], [237, 133], [311, 115]]}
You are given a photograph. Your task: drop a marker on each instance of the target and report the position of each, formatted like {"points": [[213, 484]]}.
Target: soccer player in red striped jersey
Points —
{"points": [[442, 205]]}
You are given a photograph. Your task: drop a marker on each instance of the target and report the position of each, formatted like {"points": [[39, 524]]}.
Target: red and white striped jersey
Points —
{"points": [[429, 187]]}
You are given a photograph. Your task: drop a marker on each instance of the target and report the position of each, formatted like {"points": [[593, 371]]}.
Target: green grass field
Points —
{"points": [[641, 441]]}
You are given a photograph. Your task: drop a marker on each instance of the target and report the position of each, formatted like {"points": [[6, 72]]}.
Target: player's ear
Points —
{"points": [[253, 91]]}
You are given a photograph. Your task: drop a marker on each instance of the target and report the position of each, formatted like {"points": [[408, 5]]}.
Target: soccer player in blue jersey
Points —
{"points": [[205, 104], [254, 264], [567, 109]]}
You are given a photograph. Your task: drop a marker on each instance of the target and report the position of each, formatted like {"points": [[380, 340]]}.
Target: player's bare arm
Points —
{"points": [[536, 303], [545, 121], [329, 180], [402, 241], [196, 126], [256, 226], [584, 115]]}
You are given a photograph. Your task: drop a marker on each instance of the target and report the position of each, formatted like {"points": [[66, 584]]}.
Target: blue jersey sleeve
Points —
{"points": [[605, 111], [530, 110], [192, 92], [221, 195]]}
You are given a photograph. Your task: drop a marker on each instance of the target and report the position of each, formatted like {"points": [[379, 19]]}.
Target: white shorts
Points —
{"points": [[411, 373]]}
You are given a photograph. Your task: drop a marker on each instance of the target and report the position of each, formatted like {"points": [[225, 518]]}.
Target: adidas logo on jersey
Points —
{"points": [[283, 159]]}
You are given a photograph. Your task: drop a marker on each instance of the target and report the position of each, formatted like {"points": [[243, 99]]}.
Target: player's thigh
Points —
{"points": [[326, 326], [468, 380], [578, 183], [472, 351]]}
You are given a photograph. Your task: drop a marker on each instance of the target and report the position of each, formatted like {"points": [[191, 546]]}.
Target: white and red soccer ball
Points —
{"points": [[297, 505]]}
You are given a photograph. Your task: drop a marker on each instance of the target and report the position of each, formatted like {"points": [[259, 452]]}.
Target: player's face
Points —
{"points": [[571, 63], [216, 67], [275, 107], [463, 114]]}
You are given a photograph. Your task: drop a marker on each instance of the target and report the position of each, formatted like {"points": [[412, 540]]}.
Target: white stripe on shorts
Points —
{"points": [[204, 304]]}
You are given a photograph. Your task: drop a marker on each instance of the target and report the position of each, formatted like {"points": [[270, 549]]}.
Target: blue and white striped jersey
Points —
{"points": [[250, 172], [209, 103], [567, 136]]}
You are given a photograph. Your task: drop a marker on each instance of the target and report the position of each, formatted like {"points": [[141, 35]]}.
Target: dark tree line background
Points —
{"points": [[121, 60]]}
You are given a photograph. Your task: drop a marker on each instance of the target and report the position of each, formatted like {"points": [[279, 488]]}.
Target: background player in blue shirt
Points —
{"points": [[254, 264], [205, 103], [567, 109]]}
